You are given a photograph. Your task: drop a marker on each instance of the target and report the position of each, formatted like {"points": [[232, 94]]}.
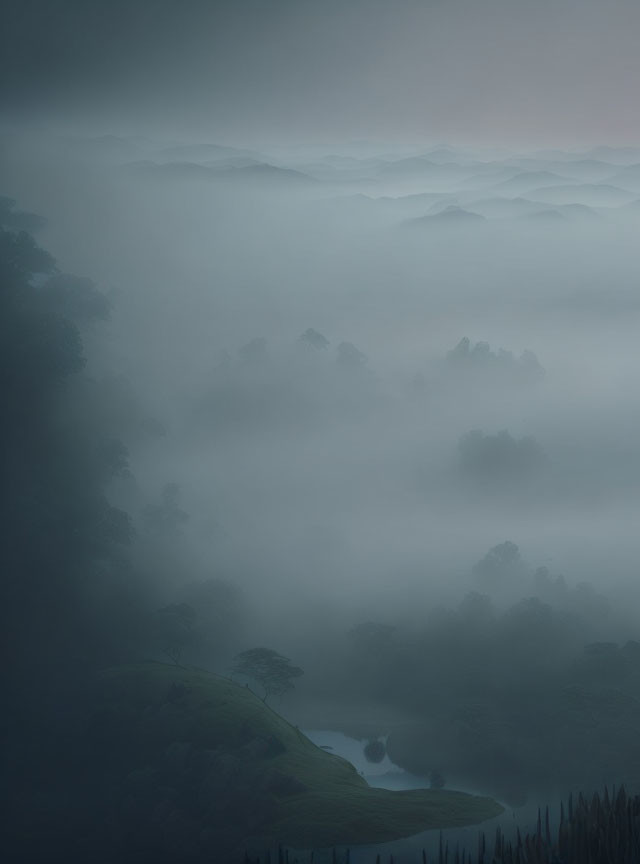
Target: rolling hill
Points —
{"points": [[226, 771]]}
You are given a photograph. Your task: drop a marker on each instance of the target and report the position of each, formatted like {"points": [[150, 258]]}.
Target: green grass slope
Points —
{"points": [[204, 756]]}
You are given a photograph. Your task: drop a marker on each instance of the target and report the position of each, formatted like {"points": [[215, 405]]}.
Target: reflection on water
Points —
{"points": [[387, 775], [384, 774]]}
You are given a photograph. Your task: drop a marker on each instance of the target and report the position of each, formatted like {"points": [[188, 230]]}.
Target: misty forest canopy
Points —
{"points": [[319, 431], [74, 567], [262, 434], [61, 536], [479, 357], [75, 564], [98, 585]]}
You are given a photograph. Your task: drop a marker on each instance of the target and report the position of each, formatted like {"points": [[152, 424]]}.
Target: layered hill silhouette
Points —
{"points": [[451, 215], [252, 171]]}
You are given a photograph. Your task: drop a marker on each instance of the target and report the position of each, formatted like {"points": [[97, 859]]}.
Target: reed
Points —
{"points": [[598, 829]]}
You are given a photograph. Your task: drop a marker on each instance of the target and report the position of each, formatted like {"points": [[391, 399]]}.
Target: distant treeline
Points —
{"points": [[603, 829]]}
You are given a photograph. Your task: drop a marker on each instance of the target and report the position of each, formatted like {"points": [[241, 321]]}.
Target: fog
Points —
{"points": [[293, 441], [362, 386]]}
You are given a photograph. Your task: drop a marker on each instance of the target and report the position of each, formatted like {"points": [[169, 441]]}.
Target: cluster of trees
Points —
{"points": [[76, 590], [256, 351], [499, 460], [69, 600], [515, 690], [304, 384], [64, 545], [479, 358]]}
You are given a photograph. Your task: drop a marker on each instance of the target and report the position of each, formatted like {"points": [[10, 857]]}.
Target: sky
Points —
{"points": [[493, 72]]}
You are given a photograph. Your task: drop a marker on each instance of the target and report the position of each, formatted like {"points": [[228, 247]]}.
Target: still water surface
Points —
{"points": [[387, 775]]}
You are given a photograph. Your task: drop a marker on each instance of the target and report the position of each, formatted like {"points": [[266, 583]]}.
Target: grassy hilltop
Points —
{"points": [[198, 763]]}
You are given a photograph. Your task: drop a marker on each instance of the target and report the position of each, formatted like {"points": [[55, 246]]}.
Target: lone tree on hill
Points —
{"points": [[271, 670]]}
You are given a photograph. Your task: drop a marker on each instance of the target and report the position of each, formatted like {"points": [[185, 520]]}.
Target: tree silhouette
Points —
{"points": [[63, 542], [272, 671]]}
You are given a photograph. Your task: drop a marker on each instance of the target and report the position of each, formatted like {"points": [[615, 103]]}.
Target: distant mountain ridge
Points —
{"points": [[451, 215], [197, 171]]}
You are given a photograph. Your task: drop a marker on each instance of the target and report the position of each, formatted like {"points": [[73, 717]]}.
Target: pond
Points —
{"points": [[386, 775]]}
